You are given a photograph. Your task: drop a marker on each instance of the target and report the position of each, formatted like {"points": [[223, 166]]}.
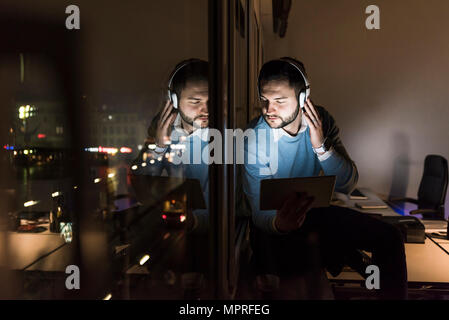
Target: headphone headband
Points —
{"points": [[171, 94], [304, 94]]}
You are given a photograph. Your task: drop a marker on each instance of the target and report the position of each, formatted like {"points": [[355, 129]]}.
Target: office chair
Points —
{"points": [[432, 189]]}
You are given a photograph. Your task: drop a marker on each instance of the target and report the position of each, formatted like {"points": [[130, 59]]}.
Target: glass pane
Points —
{"points": [[88, 182]]}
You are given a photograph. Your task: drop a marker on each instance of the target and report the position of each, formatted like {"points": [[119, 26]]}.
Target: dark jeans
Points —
{"points": [[327, 237]]}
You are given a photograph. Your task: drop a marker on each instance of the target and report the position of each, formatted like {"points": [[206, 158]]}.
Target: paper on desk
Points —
{"points": [[434, 225]]}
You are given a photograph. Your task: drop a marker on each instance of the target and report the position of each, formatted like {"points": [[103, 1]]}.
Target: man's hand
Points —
{"points": [[293, 212], [314, 121], [164, 125]]}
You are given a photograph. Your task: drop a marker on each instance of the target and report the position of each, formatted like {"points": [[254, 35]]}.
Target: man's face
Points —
{"points": [[280, 103], [193, 104]]}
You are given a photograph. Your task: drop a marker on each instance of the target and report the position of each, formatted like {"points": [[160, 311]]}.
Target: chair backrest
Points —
{"points": [[433, 186]]}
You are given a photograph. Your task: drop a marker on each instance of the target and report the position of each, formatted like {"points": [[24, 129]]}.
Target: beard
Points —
{"points": [[191, 121], [285, 121]]}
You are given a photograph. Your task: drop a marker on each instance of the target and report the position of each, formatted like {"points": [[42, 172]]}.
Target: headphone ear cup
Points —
{"points": [[174, 99], [302, 99]]}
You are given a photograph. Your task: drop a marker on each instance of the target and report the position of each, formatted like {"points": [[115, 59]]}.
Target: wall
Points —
{"points": [[387, 88]]}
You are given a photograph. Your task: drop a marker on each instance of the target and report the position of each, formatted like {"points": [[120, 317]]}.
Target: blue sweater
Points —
{"points": [[193, 168], [280, 155]]}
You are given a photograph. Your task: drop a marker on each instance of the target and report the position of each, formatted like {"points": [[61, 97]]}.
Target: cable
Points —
{"points": [[430, 237]]}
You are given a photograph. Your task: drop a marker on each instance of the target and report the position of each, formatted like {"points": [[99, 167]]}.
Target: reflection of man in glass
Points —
{"points": [[174, 141]]}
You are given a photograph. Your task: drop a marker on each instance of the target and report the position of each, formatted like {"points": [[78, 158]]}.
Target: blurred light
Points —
{"points": [[167, 155], [144, 259], [108, 297], [55, 194], [25, 151], [144, 164], [109, 117], [134, 167], [31, 151], [66, 230], [182, 218], [159, 158], [182, 138], [30, 203], [164, 216], [111, 175], [107, 150], [22, 109], [178, 146], [166, 236], [126, 150], [75, 187], [97, 180], [152, 146], [27, 108], [15, 153], [152, 161], [139, 147]]}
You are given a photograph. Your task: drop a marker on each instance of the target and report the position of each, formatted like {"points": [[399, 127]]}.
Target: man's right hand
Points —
{"points": [[164, 125], [293, 213]]}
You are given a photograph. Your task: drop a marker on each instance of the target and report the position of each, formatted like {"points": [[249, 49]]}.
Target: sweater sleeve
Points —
{"points": [[252, 175], [338, 162]]}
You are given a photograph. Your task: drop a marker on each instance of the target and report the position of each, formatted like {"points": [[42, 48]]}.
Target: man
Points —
{"points": [[307, 143], [179, 133]]}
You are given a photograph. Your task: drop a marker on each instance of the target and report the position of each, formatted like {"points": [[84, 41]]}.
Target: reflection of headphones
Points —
{"points": [[172, 96], [304, 93]]}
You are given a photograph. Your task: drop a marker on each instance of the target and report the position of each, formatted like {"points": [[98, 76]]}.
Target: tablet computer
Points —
{"points": [[273, 192]]}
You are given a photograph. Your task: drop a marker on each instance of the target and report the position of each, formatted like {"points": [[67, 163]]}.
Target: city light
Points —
{"points": [[30, 203], [151, 161], [134, 167], [41, 135], [144, 259], [56, 194], [108, 297], [97, 180], [144, 164], [25, 151], [111, 175], [182, 218], [152, 146], [126, 150], [177, 146], [25, 111], [164, 216], [139, 147], [108, 150], [8, 147]]}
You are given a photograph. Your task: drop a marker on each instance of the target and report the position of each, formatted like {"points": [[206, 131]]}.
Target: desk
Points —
{"points": [[426, 263], [25, 248], [372, 197]]}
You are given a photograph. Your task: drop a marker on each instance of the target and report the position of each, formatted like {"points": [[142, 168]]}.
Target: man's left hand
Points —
{"points": [[314, 121]]}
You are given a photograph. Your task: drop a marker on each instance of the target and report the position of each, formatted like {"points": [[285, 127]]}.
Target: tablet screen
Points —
{"points": [[273, 192]]}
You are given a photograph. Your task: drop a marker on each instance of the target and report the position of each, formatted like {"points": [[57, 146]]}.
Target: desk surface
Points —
{"points": [[23, 249], [372, 197], [426, 263]]}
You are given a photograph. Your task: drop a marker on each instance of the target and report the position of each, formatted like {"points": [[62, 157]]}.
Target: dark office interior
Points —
{"points": [[82, 88]]}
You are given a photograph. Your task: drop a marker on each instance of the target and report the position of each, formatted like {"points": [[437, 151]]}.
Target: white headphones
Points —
{"points": [[303, 94], [172, 96]]}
